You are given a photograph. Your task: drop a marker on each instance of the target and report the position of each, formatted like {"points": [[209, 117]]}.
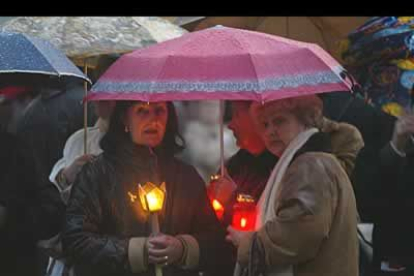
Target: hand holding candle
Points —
{"points": [[244, 219], [244, 213], [152, 200], [235, 236], [220, 191], [164, 250]]}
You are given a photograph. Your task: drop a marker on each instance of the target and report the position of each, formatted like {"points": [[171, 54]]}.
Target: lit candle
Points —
{"points": [[243, 222], [151, 196], [152, 200], [244, 213], [218, 208]]}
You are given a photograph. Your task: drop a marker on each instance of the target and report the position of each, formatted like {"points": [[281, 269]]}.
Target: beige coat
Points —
{"points": [[346, 142], [315, 228]]}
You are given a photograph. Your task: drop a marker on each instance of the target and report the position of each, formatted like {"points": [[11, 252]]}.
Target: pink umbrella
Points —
{"points": [[223, 64]]}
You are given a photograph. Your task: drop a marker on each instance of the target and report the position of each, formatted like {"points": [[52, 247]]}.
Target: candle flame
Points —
{"points": [[151, 196], [214, 177], [243, 222], [217, 205], [153, 201]]}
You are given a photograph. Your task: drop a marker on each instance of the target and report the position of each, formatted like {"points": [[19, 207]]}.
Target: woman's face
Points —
{"points": [[146, 123], [277, 127]]}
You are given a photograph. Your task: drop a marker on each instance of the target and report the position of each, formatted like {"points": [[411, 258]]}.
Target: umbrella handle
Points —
{"points": [[221, 138], [85, 112]]}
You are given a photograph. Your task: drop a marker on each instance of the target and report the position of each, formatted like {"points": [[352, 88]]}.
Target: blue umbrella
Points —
{"points": [[20, 53]]}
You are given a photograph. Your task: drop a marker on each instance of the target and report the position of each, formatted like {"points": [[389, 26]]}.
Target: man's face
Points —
{"points": [[243, 128]]}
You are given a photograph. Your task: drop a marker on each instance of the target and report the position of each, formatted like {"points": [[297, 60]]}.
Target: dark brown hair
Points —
{"points": [[172, 142]]}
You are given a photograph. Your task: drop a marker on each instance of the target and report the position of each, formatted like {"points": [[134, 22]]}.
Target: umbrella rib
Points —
{"points": [[255, 73], [158, 75], [324, 62], [34, 41], [36, 46]]}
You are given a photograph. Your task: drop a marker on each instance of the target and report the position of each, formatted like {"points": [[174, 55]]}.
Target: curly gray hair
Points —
{"points": [[307, 109]]}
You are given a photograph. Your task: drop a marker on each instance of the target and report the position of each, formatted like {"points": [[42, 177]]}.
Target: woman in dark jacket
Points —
{"points": [[108, 234]]}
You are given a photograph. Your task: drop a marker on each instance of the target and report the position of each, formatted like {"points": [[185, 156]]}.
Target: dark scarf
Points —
{"points": [[251, 172], [319, 142]]}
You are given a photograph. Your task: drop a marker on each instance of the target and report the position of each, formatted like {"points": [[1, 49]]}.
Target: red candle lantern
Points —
{"points": [[244, 213], [215, 203], [218, 208]]}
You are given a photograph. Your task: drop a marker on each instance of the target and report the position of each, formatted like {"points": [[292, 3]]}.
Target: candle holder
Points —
{"points": [[152, 199], [215, 203], [244, 213]]}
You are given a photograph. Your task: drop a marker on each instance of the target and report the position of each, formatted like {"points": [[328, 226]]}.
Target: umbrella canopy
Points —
{"points": [[20, 53], [326, 31], [221, 63], [84, 37], [380, 55]]}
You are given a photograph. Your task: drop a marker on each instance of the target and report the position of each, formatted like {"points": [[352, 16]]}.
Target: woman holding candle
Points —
{"points": [[108, 231], [307, 216], [249, 169]]}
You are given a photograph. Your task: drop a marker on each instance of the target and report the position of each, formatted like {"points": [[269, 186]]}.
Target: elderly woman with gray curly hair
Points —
{"points": [[307, 216]]}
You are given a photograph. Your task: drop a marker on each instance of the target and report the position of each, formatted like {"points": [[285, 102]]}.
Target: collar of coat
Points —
{"points": [[319, 142], [132, 160]]}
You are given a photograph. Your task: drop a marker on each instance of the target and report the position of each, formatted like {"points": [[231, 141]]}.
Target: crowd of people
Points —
{"points": [[314, 165]]}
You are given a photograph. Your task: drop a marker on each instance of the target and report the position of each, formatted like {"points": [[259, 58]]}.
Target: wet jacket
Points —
{"points": [[48, 122], [376, 126], [105, 232], [33, 211]]}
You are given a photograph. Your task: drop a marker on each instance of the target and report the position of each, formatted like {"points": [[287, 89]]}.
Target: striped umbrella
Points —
{"points": [[221, 64]]}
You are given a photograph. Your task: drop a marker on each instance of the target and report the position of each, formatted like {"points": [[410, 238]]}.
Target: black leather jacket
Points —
{"points": [[101, 219]]}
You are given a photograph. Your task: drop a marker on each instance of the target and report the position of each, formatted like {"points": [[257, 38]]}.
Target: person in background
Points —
{"points": [[65, 170], [376, 128], [24, 203], [385, 198], [44, 126]]}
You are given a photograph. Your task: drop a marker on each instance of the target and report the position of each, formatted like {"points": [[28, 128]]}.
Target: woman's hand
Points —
{"points": [[234, 236], [73, 169], [164, 250]]}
